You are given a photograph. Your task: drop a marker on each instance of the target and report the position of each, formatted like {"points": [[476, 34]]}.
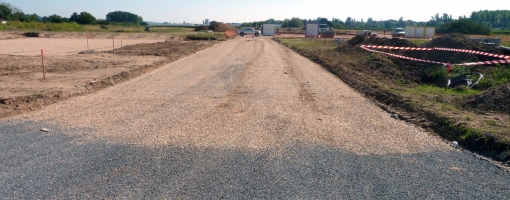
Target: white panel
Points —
{"points": [[312, 30], [268, 32], [268, 29], [410, 31], [420, 32], [431, 32]]}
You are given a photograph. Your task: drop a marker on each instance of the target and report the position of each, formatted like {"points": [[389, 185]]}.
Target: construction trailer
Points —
{"points": [[420, 31], [312, 30], [268, 29]]}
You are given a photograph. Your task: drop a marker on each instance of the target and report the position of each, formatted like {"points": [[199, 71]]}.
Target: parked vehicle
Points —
{"points": [[248, 31], [398, 32], [367, 33], [323, 27]]}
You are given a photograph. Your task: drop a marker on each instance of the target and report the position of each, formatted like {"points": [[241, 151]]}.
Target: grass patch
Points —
{"points": [[419, 42], [501, 74], [205, 36], [73, 26], [309, 44], [40, 26], [492, 123], [175, 31], [431, 89], [505, 43], [468, 134]]}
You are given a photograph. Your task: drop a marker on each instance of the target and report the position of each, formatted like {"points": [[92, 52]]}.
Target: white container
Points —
{"points": [[268, 29], [312, 30]]}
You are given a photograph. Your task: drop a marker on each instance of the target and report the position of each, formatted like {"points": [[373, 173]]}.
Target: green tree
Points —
{"points": [[19, 16], [33, 17], [464, 26], [213, 25], [270, 21], [124, 17], [5, 11], [292, 23], [74, 17], [55, 19], [82, 18], [86, 18]]}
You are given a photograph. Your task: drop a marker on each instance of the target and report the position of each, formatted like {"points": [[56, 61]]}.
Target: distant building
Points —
{"points": [[3, 21], [206, 22]]}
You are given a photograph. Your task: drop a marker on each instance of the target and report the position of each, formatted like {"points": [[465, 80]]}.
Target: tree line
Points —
{"points": [[480, 22], [12, 13]]}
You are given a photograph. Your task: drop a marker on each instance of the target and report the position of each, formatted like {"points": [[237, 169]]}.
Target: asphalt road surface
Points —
{"points": [[245, 119]]}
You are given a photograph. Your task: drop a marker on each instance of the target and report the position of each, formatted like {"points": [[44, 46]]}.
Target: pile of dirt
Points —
{"points": [[216, 27], [221, 27], [381, 66], [363, 40], [458, 41], [494, 99], [411, 70]]}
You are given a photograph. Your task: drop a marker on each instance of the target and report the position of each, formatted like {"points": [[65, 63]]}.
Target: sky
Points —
{"points": [[238, 11]]}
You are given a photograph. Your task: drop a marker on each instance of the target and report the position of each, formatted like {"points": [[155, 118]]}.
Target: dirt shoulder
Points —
{"points": [[22, 87]]}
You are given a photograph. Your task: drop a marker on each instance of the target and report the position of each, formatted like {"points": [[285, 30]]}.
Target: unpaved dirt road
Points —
{"points": [[246, 118]]}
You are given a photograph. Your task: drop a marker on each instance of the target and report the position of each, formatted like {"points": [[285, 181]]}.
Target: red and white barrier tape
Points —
{"points": [[403, 57], [368, 48]]}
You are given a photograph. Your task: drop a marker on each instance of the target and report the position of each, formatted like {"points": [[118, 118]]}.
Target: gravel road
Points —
{"points": [[245, 119]]}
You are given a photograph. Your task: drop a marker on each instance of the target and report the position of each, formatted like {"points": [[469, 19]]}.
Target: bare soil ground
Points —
{"points": [[69, 43], [72, 70]]}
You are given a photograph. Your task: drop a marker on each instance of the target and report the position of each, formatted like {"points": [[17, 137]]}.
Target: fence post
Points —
{"points": [[42, 59]]}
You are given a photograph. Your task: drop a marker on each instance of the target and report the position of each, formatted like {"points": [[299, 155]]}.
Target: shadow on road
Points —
{"points": [[36, 164]]}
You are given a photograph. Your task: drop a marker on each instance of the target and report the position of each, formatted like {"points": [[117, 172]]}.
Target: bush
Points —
{"points": [[434, 74]]}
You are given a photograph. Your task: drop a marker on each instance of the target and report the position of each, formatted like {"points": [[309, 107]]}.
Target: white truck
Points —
{"points": [[398, 32], [248, 31]]}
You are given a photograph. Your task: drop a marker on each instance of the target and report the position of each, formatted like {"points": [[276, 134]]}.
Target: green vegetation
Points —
{"points": [[293, 23], [205, 36], [434, 73], [492, 123], [123, 17], [431, 89], [34, 26], [464, 26], [75, 27], [469, 134], [82, 18], [501, 74], [493, 18], [311, 44], [419, 42]]}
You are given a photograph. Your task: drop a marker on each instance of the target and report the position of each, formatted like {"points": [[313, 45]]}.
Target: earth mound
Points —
{"points": [[493, 99], [216, 27]]}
